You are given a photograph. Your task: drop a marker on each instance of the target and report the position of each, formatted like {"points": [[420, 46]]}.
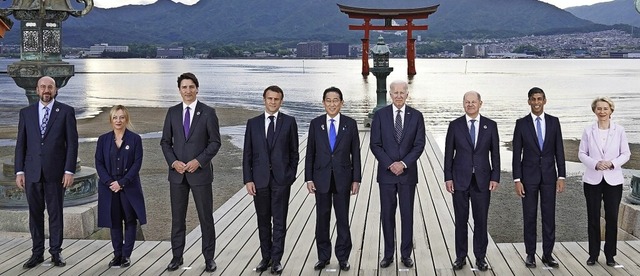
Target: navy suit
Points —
{"points": [[471, 169], [272, 168], [536, 170], [202, 144], [332, 173], [401, 188], [129, 200], [44, 161]]}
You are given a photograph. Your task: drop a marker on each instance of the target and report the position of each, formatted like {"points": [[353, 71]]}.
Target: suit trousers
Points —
{"points": [[203, 199], [122, 213], [340, 202], [611, 196], [480, 206], [51, 193], [272, 202], [390, 195], [547, 194]]}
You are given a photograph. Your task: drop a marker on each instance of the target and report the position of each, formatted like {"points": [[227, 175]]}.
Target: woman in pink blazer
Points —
{"points": [[603, 151]]}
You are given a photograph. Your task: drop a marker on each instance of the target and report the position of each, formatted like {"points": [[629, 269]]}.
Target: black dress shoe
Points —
{"points": [[116, 261], [386, 262], [482, 265], [408, 262], [320, 265], [345, 266], [210, 266], [276, 268], [126, 262], [33, 261], [530, 261], [549, 261], [459, 263], [592, 260], [58, 260], [611, 261], [175, 263], [263, 265]]}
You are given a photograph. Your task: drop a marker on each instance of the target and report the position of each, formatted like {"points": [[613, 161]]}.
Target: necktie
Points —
{"points": [[332, 134], [187, 122], [539, 132], [398, 127], [45, 119], [271, 130], [472, 133]]}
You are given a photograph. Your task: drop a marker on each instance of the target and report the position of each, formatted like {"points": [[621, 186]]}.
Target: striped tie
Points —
{"points": [[45, 120], [398, 127]]}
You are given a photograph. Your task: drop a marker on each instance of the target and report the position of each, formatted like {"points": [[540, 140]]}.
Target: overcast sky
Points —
{"points": [[117, 3]]}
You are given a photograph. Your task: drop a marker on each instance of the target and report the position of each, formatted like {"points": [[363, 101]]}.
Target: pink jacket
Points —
{"points": [[593, 150]]}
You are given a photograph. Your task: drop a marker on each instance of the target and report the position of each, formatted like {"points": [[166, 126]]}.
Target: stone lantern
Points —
{"points": [[381, 70], [41, 55]]}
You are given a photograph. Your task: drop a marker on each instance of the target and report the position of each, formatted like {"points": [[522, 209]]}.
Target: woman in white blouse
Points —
{"points": [[603, 151]]}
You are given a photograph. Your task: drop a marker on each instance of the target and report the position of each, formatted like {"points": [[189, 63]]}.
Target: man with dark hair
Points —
{"points": [[190, 139], [538, 150], [45, 163], [333, 174], [269, 164]]}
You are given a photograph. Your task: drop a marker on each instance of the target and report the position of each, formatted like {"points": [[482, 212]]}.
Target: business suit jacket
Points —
{"points": [[387, 150], [343, 162], [530, 164], [57, 152], [593, 150], [260, 159], [461, 158], [202, 144], [132, 187]]}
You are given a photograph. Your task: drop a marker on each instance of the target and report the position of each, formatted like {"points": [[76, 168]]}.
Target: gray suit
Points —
{"points": [[202, 144]]}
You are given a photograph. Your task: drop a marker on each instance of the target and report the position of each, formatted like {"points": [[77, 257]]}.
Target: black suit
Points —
{"points": [[332, 173], [44, 161], [536, 170], [401, 188], [272, 168], [472, 169], [202, 144]]}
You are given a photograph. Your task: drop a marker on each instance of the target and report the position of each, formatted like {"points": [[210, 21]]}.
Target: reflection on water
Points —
{"points": [[437, 89]]}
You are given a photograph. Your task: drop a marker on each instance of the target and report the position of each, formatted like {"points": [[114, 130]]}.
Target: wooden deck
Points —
{"points": [[237, 248]]}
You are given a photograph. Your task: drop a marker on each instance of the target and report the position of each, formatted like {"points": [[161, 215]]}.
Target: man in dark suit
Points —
{"points": [[269, 165], [537, 151], [45, 163], [397, 141], [333, 173], [190, 139], [471, 173]]}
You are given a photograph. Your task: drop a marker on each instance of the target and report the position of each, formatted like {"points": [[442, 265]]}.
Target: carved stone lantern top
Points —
{"points": [[49, 5]]}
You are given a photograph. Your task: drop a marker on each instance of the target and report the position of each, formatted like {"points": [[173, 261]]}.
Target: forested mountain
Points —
{"points": [[615, 12]]}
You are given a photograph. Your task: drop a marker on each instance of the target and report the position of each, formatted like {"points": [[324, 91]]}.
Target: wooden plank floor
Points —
{"points": [[237, 247]]}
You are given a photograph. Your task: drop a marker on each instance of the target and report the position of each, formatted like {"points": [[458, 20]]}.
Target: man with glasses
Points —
{"points": [[333, 174], [397, 141]]}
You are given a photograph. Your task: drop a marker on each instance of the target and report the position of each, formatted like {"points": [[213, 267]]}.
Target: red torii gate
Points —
{"points": [[388, 15]]}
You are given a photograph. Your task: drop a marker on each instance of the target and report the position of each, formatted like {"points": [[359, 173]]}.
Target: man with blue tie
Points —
{"points": [[333, 174], [269, 165], [190, 140], [471, 173], [538, 151], [45, 163], [397, 141]]}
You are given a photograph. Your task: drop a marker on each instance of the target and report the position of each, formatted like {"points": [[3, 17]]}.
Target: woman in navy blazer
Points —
{"points": [[603, 151], [120, 200]]}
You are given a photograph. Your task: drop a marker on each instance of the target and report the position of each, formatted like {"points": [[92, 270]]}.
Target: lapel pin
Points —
{"points": [[198, 113], [57, 109], [126, 147], [485, 126], [322, 127]]}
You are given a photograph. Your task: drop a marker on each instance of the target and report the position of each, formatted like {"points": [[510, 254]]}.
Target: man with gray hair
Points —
{"points": [[471, 173]]}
